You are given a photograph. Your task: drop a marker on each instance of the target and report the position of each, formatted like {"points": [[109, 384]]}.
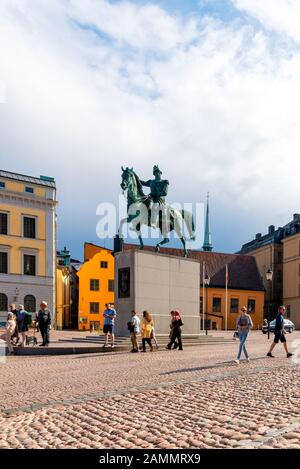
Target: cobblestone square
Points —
{"points": [[198, 398]]}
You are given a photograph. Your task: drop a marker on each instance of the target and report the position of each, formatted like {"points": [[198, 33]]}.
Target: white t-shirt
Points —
{"points": [[136, 323]]}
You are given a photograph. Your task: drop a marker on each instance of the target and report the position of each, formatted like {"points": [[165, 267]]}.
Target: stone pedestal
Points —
{"points": [[157, 283]]}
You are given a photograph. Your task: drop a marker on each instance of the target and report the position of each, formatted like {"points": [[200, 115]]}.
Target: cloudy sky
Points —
{"points": [[209, 89]]}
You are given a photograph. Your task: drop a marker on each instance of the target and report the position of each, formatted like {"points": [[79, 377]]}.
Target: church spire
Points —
{"points": [[207, 246]]}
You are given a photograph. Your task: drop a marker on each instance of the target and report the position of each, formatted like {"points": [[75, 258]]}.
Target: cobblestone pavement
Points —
{"points": [[197, 398]]}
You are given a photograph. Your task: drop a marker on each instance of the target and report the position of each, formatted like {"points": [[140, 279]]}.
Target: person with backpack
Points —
{"points": [[175, 326], [243, 326], [44, 323], [134, 329], [22, 324]]}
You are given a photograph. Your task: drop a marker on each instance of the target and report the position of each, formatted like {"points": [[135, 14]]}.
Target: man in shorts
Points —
{"points": [[109, 324], [279, 333]]}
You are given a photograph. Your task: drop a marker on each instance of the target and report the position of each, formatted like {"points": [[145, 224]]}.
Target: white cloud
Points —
{"points": [[279, 15], [216, 105]]}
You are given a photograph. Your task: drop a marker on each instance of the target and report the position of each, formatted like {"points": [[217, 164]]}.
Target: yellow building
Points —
{"points": [[291, 276], [96, 287], [27, 241]]}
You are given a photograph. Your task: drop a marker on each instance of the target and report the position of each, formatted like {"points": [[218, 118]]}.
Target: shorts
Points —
{"points": [[279, 336], [108, 328]]}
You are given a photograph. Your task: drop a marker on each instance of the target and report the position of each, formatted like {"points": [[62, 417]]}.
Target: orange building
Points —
{"points": [[96, 286]]}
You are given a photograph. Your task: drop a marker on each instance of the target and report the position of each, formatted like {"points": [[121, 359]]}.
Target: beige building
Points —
{"points": [[270, 257], [279, 250], [291, 275]]}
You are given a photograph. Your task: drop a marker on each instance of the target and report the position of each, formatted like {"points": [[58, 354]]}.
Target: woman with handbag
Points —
{"points": [[147, 331], [175, 326]]}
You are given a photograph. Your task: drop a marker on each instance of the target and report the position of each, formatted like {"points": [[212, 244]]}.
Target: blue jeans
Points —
{"points": [[243, 337], [45, 333]]}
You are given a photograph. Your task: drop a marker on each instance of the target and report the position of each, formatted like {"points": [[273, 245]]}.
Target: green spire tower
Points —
{"points": [[207, 246]]}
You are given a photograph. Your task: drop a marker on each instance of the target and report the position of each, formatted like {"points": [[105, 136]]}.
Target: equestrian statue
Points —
{"points": [[152, 210]]}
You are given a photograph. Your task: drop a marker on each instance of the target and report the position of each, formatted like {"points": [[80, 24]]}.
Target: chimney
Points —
{"points": [[271, 229], [258, 236], [296, 217]]}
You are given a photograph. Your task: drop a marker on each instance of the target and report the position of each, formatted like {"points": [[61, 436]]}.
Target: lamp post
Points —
{"points": [[269, 278], [206, 284]]}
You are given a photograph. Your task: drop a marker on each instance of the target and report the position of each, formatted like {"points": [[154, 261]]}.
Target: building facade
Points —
{"points": [[278, 250], [291, 275], [96, 287], [27, 241], [67, 290]]}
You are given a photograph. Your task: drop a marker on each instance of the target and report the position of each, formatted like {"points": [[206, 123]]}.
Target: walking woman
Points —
{"points": [[243, 326], [147, 331], [175, 326], [22, 325]]}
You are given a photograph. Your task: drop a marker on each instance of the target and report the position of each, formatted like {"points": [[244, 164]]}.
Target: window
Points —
{"points": [[216, 305], [94, 285], [29, 265], [111, 285], [3, 263], [103, 264], [2, 185], [3, 223], [30, 303], [94, 308], [29, 190], [29, 227], [234, 305], [3, 302], [251, 306]]}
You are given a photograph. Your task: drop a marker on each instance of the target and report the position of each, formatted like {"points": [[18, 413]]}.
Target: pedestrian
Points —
{"points": [[22, 325], [154, 338], [15, 335], [175, 326], [44, 323], [243, 326], [109, 324], [279, 333], [134, 328], [10, 329], [147, 331]]}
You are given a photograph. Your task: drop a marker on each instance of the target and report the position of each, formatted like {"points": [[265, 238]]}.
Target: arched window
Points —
{"points": [[3, 302], [30, 303]]}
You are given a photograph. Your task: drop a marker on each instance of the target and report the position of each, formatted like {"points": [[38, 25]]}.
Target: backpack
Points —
{"points": [[28, 319]]}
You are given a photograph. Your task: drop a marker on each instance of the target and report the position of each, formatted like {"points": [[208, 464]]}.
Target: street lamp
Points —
{"points": [[206, 284], [269, 278]]}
